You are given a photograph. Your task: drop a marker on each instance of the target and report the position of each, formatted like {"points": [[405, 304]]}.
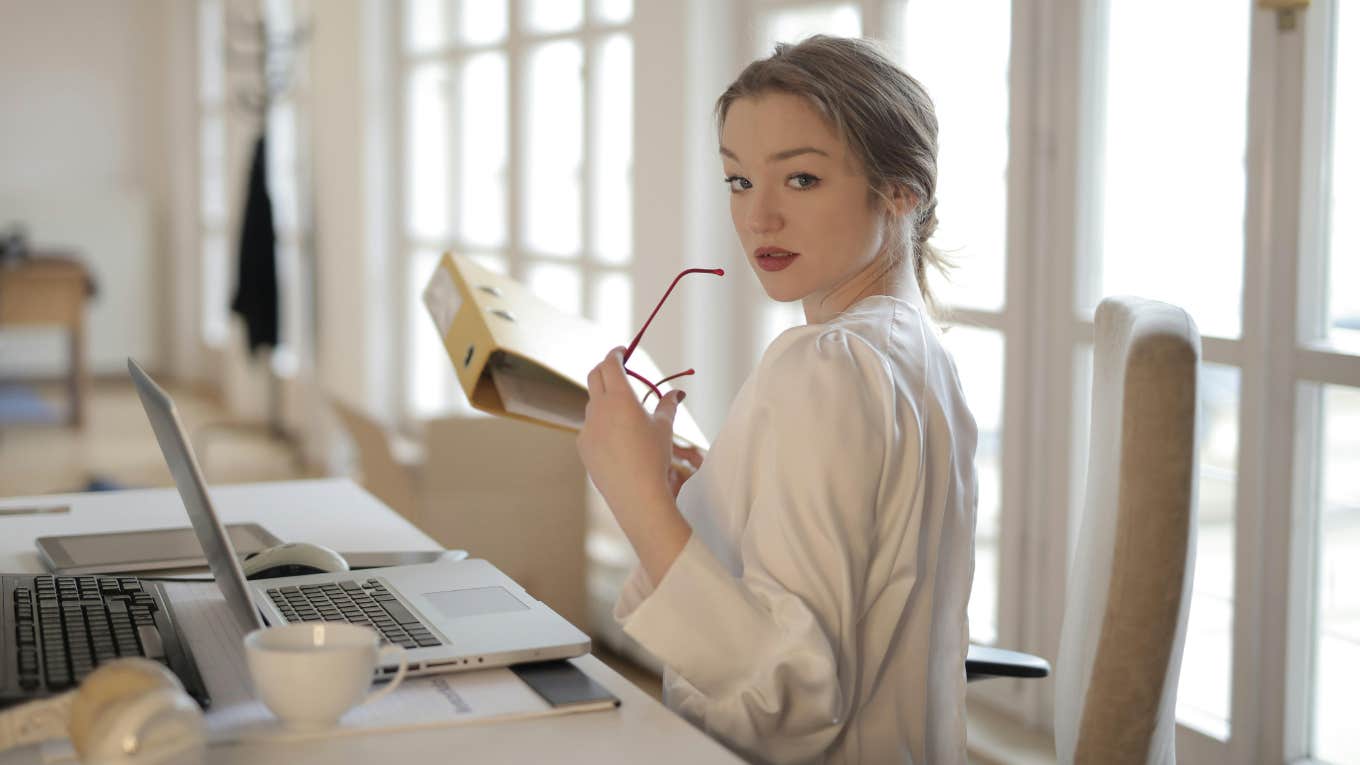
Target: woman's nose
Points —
{"points": [[763, 215]]}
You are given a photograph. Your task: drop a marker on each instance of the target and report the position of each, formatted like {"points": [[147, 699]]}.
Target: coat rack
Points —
{"points": [[267, 55], [264, 57]]}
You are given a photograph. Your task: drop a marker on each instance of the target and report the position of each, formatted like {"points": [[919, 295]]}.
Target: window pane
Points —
{"points": [[491, 261], [559, 284], [553, 164], [796, 24], [427, 25], [216, 285], [613, 308], [210, 42], [483, 21], [428, 153], [777, 317], [288, 266], [1204, 696], [961, 53], [1336, 738], [484, 152], [613, 11], [212, 164], [282, 167], [1344, 247], [553, 15], [979, 356], [612, 211], [1171, 219], [432, 387]]}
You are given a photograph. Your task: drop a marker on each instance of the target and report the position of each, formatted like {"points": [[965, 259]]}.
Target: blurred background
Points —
{"points": [[1203, 153]]}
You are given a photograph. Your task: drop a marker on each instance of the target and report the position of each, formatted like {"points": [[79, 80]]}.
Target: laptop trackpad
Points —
{"points": [[476, 601]]}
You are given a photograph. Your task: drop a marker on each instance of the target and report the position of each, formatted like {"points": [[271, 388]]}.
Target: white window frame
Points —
{"points": [[1275, 554], [209, 109], [516, 46]]}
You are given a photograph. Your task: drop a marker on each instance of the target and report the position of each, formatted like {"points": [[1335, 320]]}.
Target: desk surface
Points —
{"points": [[337, 513]]}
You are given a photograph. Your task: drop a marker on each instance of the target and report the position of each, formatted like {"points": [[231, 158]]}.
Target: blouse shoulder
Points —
{"points": [[826, 369]]}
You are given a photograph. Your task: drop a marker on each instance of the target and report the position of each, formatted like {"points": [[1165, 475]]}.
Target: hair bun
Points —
{"points": [[927, 223]]}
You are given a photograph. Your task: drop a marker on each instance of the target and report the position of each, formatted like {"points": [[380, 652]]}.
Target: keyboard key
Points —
{"points": [[150, 638], [426, 642], [398, 612]]}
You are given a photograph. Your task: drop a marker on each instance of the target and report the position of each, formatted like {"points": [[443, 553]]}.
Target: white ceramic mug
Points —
{"points": [[310, 674]]}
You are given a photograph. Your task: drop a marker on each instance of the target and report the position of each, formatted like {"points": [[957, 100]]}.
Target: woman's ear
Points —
{"points": [[902, 201]]}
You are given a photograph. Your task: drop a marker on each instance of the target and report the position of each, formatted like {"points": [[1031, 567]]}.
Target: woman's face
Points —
{"points": [[801, 203]]}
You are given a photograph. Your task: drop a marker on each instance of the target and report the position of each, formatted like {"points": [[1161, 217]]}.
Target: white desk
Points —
{"points": [[341, 515]]}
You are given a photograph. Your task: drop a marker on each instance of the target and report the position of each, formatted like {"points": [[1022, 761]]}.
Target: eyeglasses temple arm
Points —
{"points": [[627, 354], [657, 388], [645, 381]]}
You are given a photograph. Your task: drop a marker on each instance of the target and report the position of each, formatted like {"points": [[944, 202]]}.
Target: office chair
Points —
{"points": [[1129, 589], [389, 466], [509, 492], [1128, 596]]}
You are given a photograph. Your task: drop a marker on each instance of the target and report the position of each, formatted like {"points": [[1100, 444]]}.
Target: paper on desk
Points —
{"points": [[423, 702]]}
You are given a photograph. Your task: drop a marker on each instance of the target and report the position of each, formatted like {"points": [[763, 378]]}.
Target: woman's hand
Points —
{"points": [[685, 462], [627, 453]]}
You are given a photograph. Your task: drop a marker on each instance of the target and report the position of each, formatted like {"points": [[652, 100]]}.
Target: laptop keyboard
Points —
{"points": [[368, 603], [77, 623]]}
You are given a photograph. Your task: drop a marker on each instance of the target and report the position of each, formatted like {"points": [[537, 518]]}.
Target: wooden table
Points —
{"points": [[52, 291]]}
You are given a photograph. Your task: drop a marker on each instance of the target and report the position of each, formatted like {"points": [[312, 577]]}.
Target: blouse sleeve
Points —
{"points": [[771, 654]]}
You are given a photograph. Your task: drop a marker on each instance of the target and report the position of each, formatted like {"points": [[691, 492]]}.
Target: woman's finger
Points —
{"points": [[691, 454], [612, 370], [595, 381]]}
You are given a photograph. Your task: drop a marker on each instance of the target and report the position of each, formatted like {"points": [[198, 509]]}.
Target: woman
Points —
{"points": [[807, 587]]}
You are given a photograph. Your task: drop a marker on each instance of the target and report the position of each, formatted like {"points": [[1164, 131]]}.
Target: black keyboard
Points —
{"points": [[368, 603], [65, 626]]}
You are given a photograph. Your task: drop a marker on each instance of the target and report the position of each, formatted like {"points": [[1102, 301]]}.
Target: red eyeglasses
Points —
{"points": [[652, 388]]}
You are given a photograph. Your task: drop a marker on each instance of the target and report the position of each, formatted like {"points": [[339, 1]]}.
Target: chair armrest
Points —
{"points": [[984, 662]]}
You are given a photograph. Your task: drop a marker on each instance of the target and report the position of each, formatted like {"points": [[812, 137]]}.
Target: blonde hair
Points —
{"points": [[880, 111]]}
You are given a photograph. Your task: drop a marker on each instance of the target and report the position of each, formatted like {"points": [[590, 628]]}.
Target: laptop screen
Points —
{"points": [[179, 456]]}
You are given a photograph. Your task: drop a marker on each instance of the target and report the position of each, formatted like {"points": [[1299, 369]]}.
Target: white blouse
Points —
{"points": [[819, 611]]}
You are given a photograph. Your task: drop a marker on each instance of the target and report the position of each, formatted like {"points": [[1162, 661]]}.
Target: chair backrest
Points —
{"points": [[1128, 593], [515, 494], [390, 478]]}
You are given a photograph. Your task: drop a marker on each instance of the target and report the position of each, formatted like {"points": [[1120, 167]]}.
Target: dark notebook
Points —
{"points": [[561, 684]]}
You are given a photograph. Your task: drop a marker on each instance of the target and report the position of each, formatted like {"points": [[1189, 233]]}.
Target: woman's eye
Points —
{"points": [[737, 183], [803, 180]]}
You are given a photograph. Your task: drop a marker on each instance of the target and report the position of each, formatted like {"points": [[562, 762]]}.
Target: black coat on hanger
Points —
{"points": [[257, 284]]}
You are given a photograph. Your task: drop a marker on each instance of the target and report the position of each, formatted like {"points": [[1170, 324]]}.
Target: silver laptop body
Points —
{"points": [[475, 615]]}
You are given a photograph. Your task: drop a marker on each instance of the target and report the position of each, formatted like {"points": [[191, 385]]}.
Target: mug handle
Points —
{"points": [[389, 650]]}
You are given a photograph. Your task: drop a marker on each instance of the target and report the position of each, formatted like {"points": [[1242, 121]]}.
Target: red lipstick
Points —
{"points": [[774, 258]]}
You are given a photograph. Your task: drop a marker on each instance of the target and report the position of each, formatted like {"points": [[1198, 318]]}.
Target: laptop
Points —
{"points": [[450, 615]]}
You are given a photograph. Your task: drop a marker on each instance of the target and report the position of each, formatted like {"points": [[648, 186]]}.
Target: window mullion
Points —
{"points": [[517, 127], [453, 95], [1042, 295], [1267, 532], [589, 107]]}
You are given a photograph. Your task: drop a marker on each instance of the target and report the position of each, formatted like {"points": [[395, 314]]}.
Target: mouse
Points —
{"points": [[292, 559]]}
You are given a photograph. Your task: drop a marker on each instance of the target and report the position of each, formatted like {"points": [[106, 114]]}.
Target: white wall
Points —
{"points": [[82, 157]]}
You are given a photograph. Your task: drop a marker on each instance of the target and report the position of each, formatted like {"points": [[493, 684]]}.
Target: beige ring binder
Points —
{"points": [[517, 356]]}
